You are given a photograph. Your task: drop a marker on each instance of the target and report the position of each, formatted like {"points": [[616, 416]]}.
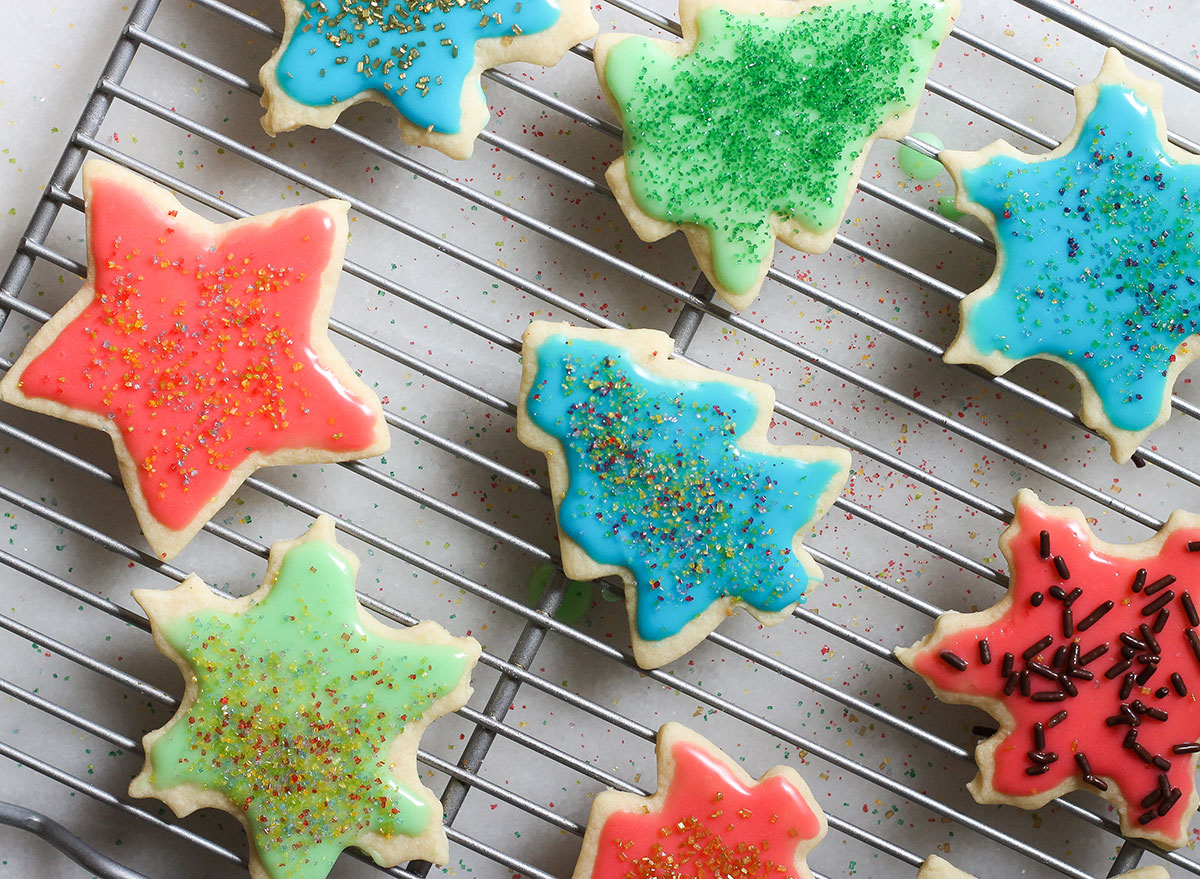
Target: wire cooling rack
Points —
{"points": [[447, 263]]}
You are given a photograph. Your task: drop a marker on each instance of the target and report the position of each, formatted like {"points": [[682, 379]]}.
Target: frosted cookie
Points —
{"points": [[662, 473], [758, 124], [422, 58], [1090, 665], [707, 818], [1097, 267], [937, 868], [201, 349], [302, 714]]}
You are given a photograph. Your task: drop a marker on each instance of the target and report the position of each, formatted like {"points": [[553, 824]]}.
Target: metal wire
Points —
{"points": [[538, 621]]}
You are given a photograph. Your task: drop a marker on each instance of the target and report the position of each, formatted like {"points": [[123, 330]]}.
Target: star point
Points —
{"points": [[201, 349]]}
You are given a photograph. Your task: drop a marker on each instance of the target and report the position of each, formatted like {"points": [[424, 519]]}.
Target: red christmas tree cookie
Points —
{"points": [[707, 818]]}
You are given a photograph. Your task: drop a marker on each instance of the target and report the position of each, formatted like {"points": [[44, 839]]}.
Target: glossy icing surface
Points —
{"points": [[198, 347], [766, 115], [658, 484], [1101, 263], [710, 825], [416, 53], [1125, 708], [297, 706]]}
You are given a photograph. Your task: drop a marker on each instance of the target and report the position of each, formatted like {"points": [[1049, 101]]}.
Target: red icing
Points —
{"points": [[197, 345], [1102, 577], [711, 824]]}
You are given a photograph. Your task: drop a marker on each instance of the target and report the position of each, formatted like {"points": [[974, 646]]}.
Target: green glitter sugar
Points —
{"points": [[767, 115]]}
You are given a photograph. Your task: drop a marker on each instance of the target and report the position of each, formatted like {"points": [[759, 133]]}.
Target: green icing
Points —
{"points": [[296, 709], [767, 115]]}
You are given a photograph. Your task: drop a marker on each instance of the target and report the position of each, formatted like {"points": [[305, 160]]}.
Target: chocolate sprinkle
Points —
{"points": [[1127, 685], [1094, 617], [1149, 638], [1024, 679], [1037, 770], [1133, 642], [985, 652], [1161, 762], [1193, 545], [1162, 692], [1095, 782], [1049, 696], [1160, 621], [1006, 666], [1036, 599], [1011, 683], [1194, 640], [1056, 720], [1169, 803], [1140, 580], [1068, 622], [1073, 596], [1039, 736], [1060, 565], [1068, 686], [1189, 609], [1157, 604], [1058, 592], [1151, 798], [1044, 544], [1157, 714], [1160, 584], [1146, 817], [1039, 668], [953, 660], [1187, 748], [1094, 654], [1060, 657], [1042, 758], [1034, 649], [1178, 684], [1145, 674], [1085, 765], [1119, 669]]}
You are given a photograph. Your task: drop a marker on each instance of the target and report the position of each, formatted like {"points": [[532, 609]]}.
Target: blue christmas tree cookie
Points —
{"points": [[662, 473], [1098, 264], [422, 58]]}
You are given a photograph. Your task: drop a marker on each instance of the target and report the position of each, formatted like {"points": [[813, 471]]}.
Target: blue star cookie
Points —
{"points": [[1098, 264], [662, 473], [421, 57]]}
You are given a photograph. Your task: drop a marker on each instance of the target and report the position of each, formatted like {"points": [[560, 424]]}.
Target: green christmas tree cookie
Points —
{"points": [[758, 124]]}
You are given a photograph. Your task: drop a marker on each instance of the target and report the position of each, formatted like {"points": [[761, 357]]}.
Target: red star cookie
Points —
{"points": [[201, 349], [707, 818], [1091, 666]]}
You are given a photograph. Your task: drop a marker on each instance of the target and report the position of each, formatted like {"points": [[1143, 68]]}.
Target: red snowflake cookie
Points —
{"points": [[201, 349], [1091, 666], [707, 818]]}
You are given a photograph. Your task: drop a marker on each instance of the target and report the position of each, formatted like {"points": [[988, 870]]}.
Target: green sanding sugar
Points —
{"points": [[767, 115], [918, 165]]}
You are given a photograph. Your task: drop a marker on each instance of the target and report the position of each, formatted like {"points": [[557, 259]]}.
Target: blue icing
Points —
{"points": [[417, 53], [1101, 263], [659, 485]]}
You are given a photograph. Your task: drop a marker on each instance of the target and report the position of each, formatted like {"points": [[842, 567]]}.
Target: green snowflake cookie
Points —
{"points": [[302, 715]]}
